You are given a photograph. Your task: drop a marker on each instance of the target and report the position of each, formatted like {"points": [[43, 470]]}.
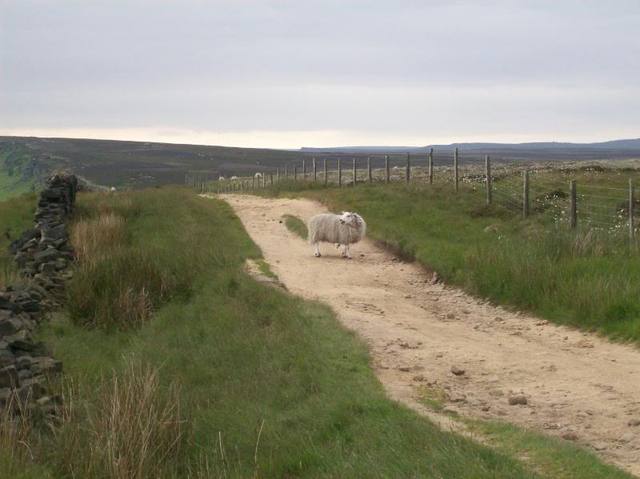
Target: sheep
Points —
{"points": [[234, 178], [344, 229], [221, 178], [258, 175]]}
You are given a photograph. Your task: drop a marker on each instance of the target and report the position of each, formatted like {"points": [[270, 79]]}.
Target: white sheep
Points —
{"points": [[344, 229], [221, 178], [258, 175], [234, 178]]}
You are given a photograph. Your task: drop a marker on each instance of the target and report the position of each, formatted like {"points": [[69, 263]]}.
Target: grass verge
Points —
{"points": [[296, 225], [551, 457]]}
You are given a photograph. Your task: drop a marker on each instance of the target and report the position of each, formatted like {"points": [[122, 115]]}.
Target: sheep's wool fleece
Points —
{"points": [[328, 228]]}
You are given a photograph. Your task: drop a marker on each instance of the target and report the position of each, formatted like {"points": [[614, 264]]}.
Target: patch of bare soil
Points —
{"points": [[481, 360]]}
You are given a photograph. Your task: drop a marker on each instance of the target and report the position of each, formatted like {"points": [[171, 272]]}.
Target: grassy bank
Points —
{"points": [[587, 279], [215, 375], [16, 215]]}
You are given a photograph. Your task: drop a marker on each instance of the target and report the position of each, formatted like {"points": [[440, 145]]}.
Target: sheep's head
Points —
{"points": [[350, 219]]}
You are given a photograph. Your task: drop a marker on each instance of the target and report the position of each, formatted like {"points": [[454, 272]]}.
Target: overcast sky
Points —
{"points": [[321, 73]]}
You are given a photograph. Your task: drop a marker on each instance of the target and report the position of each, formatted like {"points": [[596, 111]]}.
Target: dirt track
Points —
{"points": [[577, 385]]}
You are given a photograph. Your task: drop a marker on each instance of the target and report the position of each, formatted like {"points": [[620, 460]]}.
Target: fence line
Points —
{"points": [[502, 182]]}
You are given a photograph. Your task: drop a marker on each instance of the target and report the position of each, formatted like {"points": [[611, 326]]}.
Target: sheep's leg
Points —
{"points": [[317, 250], [345, 253]]}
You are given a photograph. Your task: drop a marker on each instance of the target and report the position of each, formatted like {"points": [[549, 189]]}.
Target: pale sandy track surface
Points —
{"points": [[577, 385]]}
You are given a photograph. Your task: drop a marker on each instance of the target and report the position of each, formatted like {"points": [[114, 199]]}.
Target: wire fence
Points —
{"points": [[573, 197]]}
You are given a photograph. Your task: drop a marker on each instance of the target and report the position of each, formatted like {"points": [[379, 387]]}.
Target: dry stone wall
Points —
{"points": [[43, 255]]}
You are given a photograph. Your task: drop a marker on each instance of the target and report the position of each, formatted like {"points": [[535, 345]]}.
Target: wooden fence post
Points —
{"points": [[253, 182], [264, 179], [326, 179], [455, 169], [286, 172], [573, 213], [525, 193], [271, 179], [631, 208], [386, 169], [431, 166], [487, 172], [304, 169], [355, 174], [369, 177], [315, 170], [408, 170], [277, 175], [295, 173], [339, 173]]}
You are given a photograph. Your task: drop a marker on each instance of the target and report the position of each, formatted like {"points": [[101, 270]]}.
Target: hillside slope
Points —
{"points": [[130, 163], [608, 150]]}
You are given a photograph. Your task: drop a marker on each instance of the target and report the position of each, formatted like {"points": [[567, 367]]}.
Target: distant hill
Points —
{"points": [[616, 149], [130, 163], [24, 161]]}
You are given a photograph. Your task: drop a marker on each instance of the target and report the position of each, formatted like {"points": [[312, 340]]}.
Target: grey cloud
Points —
{"points": [[392, 66]]}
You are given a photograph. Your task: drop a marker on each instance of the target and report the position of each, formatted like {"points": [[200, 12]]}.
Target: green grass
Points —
{"points": [[588, 280], [552, 457], [265, 269], [12, 178], [11, 187], [16, 215], [269, 385], [296, 225]]}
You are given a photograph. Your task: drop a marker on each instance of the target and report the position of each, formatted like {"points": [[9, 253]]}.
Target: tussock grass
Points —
{"points": [[125, 424], [133, 427], [126, 275], [93, 238], [16, 432], [296, 225]]}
